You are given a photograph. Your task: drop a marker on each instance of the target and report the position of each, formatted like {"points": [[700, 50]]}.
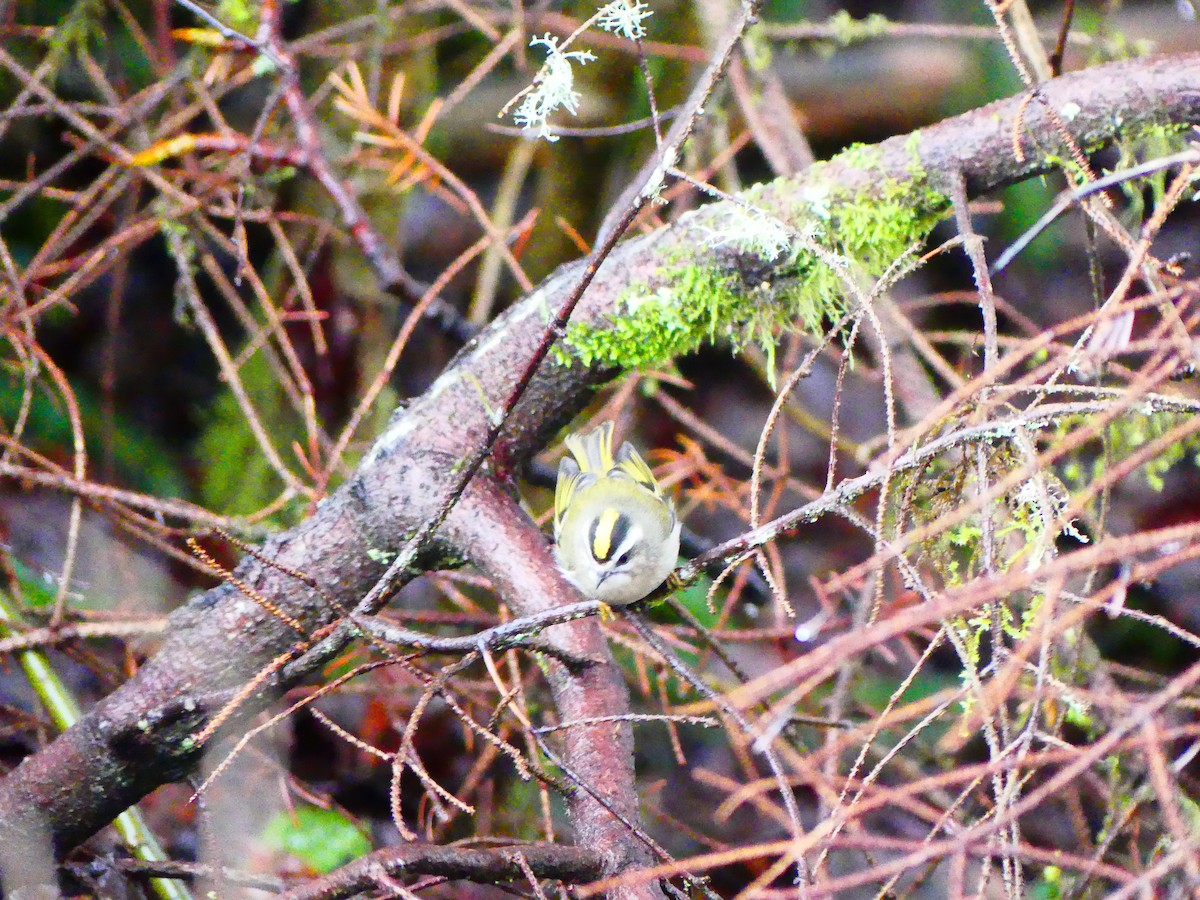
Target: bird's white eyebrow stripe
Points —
{"points": [[629, 540]]}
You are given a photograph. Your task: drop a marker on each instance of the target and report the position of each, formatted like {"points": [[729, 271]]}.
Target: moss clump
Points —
{"points": [[871, 229], [1125, 436], [755, 290], [652, 326], [848, 30]]}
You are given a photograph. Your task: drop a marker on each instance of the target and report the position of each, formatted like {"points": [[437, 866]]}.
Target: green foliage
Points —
{"points": [[849, 30], [1125, 435], [522, 807], [1025, 523], [694, 599], [81, 29], [1051, 886], [1191, 811], [1024, 203], [1023, 526], [973, 629], [787, 10], [1149, 646], [142, 462], [1129, 433], [936, 490], [240, 15], [1153, 142], [1109, 43], [236, 478], [37, 590], [875, 692], [323, 839], [86, 28], [843, 30]]}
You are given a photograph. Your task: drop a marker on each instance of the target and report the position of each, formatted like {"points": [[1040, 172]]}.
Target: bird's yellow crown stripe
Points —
{"points": [[602, 540]]}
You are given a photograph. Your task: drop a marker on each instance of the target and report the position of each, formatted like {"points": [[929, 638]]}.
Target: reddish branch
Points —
{"points": [[486, 866], [138, 737]]}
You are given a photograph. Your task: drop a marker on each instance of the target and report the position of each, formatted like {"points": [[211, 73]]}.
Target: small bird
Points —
{"points": [[616, 534]]}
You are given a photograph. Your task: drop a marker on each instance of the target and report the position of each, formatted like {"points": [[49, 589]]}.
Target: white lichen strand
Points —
{"points": [[752, 231], [656, 179], [553, 88], [624, 18], [819, 199]]}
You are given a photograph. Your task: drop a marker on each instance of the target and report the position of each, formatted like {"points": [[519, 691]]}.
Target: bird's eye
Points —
{"points": [[623, 558]]}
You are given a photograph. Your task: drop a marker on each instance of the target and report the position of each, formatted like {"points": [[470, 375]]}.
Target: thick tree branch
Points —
{"points": [[503, 542]]}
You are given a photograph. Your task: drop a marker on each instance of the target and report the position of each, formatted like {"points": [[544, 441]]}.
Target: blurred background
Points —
{"points": [[138, 407]]}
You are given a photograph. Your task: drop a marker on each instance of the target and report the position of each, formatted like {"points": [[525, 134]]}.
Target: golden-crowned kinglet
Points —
{"points": [[617, 536]]}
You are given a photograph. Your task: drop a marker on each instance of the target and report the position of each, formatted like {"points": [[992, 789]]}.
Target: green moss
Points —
{"points": [[239, 14], [759, 288], [849, 30], [654, 326], [1153, 141], [1123, 437], [756, 45], [875, 228], [1132, 431], [858, 156]]}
